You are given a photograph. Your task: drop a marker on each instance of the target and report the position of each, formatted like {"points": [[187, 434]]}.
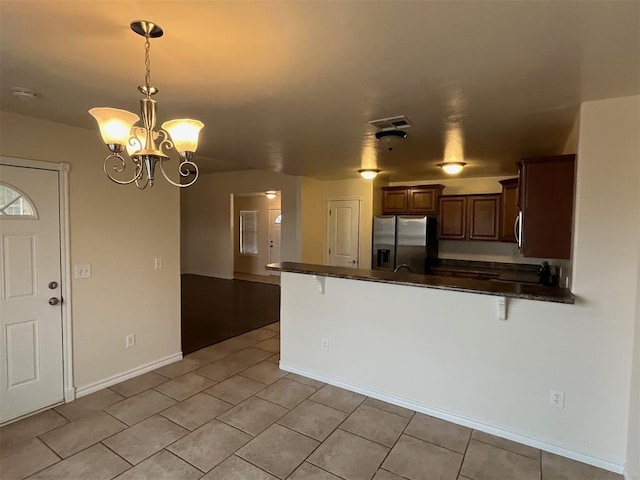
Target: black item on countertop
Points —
{"points": [[546, 278]]}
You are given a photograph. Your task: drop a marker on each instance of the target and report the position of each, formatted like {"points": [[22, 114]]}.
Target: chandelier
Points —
{"points": [[144, 145]]}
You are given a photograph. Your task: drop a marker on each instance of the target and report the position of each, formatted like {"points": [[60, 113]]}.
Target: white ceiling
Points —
{"points": [[290, 85]]}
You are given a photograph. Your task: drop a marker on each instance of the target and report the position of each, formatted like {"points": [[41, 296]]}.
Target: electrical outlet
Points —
{"points": [[158, 263], [556, 398], [130, 340], [325, 344], [82, 270]]}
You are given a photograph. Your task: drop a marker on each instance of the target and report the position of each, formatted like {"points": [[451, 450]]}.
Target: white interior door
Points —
{"points": [[275, 228], [343, 233], [31, 365]]}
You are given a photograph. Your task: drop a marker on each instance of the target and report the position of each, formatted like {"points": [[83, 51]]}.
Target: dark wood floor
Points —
{"points": [[214, 309]]}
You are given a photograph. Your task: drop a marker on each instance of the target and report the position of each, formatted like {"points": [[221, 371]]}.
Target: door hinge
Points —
{"points": [[329, 251], [329, 212]]}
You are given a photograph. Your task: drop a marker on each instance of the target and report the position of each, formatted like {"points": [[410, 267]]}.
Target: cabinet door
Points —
{"points": [[509, 210], [394, 201], [423, 200], [452, 218], [484, 211], [547, 206]]}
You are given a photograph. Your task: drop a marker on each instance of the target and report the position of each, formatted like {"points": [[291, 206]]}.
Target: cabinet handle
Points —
{"points": [[518, 231], [515, 229]]}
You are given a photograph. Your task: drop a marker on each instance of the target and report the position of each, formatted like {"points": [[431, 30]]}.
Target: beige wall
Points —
{"points": [[314, 224], [207, 226], [632, 467], [315, 195], [633, 445], [496, 375], [118, 230], [253, 263]]}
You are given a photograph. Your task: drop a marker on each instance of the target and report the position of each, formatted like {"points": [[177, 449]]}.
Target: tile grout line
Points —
{"points": [[464, 455], [120, 456], [509, 451]]}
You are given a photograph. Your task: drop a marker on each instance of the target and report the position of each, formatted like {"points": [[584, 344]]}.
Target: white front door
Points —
{"points": [[31, 367], [343, 233], [275, 227]]}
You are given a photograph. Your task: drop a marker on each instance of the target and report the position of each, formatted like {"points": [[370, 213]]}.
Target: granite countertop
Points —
{"points": [[484, 287]]}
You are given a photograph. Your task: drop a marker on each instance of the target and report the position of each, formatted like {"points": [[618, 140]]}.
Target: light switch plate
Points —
{"points": [[82, 270]]}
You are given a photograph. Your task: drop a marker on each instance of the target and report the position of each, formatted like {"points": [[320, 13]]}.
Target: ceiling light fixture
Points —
{"points": [[368, 173], [390, 138], [452, 167], [271, 194], [145, 146]]}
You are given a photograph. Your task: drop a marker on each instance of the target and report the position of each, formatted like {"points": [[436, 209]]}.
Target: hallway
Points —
{"points": [[215, 309]]}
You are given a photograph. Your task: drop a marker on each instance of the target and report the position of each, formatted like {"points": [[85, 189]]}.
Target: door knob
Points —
{"points": [[53, 285], [54, 301]]}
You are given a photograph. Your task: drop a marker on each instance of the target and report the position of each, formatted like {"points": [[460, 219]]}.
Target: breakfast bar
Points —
{"points": [[478, 353], [505, 289]]}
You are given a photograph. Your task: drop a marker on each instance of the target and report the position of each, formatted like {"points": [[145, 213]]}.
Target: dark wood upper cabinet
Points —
{"points": [[469, 217], [394, 200], [484, 213], [424, 200], [452, 217], [418, 200], [547, 196], [508, 210]]}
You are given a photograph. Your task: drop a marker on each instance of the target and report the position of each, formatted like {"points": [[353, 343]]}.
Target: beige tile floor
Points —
{"points": [[227, 412]]}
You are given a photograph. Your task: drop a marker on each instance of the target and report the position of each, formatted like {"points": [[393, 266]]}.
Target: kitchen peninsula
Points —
{"points": [[467, 285], [465, 350]]}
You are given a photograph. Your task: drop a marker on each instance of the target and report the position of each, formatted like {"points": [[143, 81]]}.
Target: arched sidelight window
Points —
{"points": [[15, 204]]}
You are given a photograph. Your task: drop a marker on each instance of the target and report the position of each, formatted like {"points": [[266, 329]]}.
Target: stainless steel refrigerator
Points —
{"points": [[404, 242]]}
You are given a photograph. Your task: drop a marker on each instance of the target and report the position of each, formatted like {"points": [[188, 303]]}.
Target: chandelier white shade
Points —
{"points": [[115, 124], [184, 133], [144, 145]]}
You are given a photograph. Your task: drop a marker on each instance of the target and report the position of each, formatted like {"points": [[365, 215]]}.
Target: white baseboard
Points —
{"points": [[69, 394], [224, 276], [461, 420], [121, 377]]}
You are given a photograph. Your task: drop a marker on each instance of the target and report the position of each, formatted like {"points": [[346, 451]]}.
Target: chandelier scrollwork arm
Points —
{"points": [[165, 142], [185, 168], [120, 167]]}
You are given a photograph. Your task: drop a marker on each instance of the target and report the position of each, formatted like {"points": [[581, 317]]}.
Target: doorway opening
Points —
{"points": [[256, 240]]}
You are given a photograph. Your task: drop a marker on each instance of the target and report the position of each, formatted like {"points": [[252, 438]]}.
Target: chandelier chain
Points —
{"points": [[147, 61]]}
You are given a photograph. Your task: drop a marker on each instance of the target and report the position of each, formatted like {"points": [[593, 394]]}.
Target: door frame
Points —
{"points": [[65, 264], [328, 225], [269, 210]]}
